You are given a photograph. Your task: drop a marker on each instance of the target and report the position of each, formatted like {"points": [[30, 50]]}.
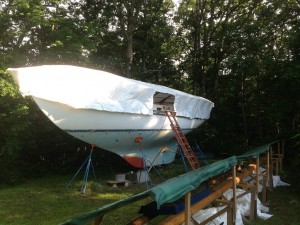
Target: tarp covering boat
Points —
{"points": [[93, 89]]}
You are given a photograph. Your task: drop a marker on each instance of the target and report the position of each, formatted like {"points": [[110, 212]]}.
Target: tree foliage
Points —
{"points": [[243, 55]]}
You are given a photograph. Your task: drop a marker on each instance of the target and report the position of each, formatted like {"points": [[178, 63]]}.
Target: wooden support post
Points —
{"points": [[277, 158], [187, 208], [233, 211], [276, 166], [257, 174], [264, 190], [230, 215], [271, 167], [280, 153], [253, 206], [271, 158], [98, 220], [268, 168], [283, 143]]}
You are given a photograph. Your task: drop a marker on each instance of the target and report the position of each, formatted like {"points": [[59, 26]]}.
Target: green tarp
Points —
{"points": [[256, 152], [177, 187]]}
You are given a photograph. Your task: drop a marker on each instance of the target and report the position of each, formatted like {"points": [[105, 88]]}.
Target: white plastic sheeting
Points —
{"points": [[243, 209], [243, 204], [93, 89], [276, 180]]}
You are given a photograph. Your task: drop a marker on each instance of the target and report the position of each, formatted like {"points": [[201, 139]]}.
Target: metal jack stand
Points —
{"points": [[200, 153], [89, 163], [145, 159], [182, 158]]}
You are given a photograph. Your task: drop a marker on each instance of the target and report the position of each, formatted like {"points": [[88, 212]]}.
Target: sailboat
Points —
{"points": [[121, 115]]}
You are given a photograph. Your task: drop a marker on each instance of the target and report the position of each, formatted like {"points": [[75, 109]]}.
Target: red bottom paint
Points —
{"points": [[136, 162]]}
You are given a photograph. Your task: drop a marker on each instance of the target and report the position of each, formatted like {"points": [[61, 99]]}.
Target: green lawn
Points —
{"points": [[47, 201], [284, 204]]}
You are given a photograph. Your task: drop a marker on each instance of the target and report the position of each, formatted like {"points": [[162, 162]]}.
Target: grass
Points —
{"points": [[284, 204], [47, 201]]}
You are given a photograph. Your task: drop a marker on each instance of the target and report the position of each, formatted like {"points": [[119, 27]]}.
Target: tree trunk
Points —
{"points": [[245, 122], [133, 9], [129, 50]]}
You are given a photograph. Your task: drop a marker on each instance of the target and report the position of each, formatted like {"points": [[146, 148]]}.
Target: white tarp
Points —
{"points": [[276, 180], [243, 204], [243, 209], [93, 89]]}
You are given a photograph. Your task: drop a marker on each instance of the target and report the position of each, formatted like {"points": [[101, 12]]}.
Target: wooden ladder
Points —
{"points": [[182, 141]]}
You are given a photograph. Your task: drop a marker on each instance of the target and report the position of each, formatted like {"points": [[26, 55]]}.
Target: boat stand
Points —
{"points": [[179, 150], [145, 167], [89, 163], [200, 153]]}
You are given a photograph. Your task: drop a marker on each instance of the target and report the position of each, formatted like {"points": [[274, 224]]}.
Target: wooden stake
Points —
{"points": [[257, 175], [268, 168], [271, 167], [253, 206], [264, 191], [233, 211], [98, 220], [187, 208]]}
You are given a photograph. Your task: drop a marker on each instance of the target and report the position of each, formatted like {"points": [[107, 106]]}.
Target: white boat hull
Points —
{"points": [[117, 132], [111, 111]]}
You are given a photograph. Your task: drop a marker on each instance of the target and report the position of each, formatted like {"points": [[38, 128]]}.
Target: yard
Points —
{"points": [[48, 201]]}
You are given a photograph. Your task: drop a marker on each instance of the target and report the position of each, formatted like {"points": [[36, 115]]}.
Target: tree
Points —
{"points": [[116, 19], [13, 127], [41, 32], [234, 42], [242, 55], [30, 37]]}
